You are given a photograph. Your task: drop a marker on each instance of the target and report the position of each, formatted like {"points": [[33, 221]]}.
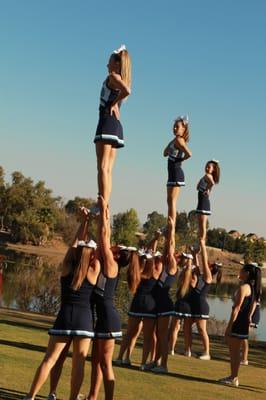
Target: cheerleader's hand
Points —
{"points": [[83, 212], [114, 110]]}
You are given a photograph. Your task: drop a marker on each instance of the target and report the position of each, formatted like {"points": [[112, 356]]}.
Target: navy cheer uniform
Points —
{"points": [[164, 303], [176, 175], [240, 326], [109, 129], [143, 304], [182, 308], [204, 205], [108, 325], [75, 315], [255, 319], [198, 299]]}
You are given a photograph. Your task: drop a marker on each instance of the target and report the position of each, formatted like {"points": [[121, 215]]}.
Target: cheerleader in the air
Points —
{"points": [[109, 133], [211, 177], [177, 151]]}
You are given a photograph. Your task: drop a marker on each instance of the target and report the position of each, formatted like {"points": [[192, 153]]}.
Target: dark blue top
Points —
{"points": [[80, 296], [107, 96]]}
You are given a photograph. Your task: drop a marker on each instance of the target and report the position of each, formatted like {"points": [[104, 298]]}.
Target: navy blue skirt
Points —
{"points": [[204, 205], [73, 320], [143, 306], [109, 130], [182, 309], [176, 175], [108, 324]]}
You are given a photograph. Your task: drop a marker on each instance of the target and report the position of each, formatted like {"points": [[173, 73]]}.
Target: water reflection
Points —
{"points": [[31, 283]]}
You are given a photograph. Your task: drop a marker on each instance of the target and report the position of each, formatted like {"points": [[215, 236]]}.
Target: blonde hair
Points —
{"points": [[125, 66]]}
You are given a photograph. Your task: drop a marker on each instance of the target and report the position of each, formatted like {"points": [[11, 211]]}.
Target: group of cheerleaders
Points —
{"points": [[90, 272]]}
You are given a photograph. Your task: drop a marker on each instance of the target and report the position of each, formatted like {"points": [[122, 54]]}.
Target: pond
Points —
{"points": [[31, 283]]}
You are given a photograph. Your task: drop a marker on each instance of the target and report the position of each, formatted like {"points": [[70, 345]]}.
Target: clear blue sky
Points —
{"points": [[203, 58]]}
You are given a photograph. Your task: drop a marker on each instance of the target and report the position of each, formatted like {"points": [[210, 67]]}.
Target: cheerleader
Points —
{"points": [[177, 151], [238, 326], [109, 132], [182, 308], [108, 326], [135, 320], [74, 320], [211, 177], [164, 304], [254, 322]]}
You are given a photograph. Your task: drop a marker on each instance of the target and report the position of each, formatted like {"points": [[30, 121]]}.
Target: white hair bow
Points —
{"points": [[157, 254], [215, 161], [121, 48], [187, 255], [91, 244], [183, 118], [128, 248]]}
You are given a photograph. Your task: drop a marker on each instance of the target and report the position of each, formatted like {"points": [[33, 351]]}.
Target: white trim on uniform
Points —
{"points": [[203, 212], [185, 315], [70, 332], [200, 316], [239, 335], [164, 314], [109, 137], [108, 335], [141, 315], [175, 183]]}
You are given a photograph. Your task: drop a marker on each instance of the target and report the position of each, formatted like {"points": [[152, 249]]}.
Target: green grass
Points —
{"points": [[23, 339]]}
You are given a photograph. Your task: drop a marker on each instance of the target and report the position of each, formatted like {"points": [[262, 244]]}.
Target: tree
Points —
{"points": [[124, 227], [154, 222]]}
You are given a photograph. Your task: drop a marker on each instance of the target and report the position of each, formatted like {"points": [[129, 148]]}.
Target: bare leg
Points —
{"points": [[234, 348], [202, 329], [148, 327], [132, 342], [105, 160], [172, 195], [80, 351], [57, 369], [96, 372], [188, 322], [202, 221], [55, 346], [245, 348], [106, 350], [153, 346], [162, 334], [173, 334], [133, 326]]}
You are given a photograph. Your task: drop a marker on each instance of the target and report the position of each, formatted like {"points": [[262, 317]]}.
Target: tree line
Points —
{"points": [[31, 214]]}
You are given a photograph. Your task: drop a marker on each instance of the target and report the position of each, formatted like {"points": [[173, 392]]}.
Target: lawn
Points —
{"points": [[23, 339]]}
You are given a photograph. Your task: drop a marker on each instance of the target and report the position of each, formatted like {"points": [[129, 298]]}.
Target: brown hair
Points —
{"points": [[133, 273], [125, 62], [78, 259], [186, 133], [216, 270], [216, 170], [148, 269]]}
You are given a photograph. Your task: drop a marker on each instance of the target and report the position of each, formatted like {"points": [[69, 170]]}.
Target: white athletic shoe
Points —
{"points": [[244, 362], [171, 352], [205, 357], [51, 396], [187, 353], [229, 381]]}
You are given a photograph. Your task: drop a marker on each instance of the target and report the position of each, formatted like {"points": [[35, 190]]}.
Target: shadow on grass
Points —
{"points": [[10, 394], [193, 379], [24, 325], [23, 345]]}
